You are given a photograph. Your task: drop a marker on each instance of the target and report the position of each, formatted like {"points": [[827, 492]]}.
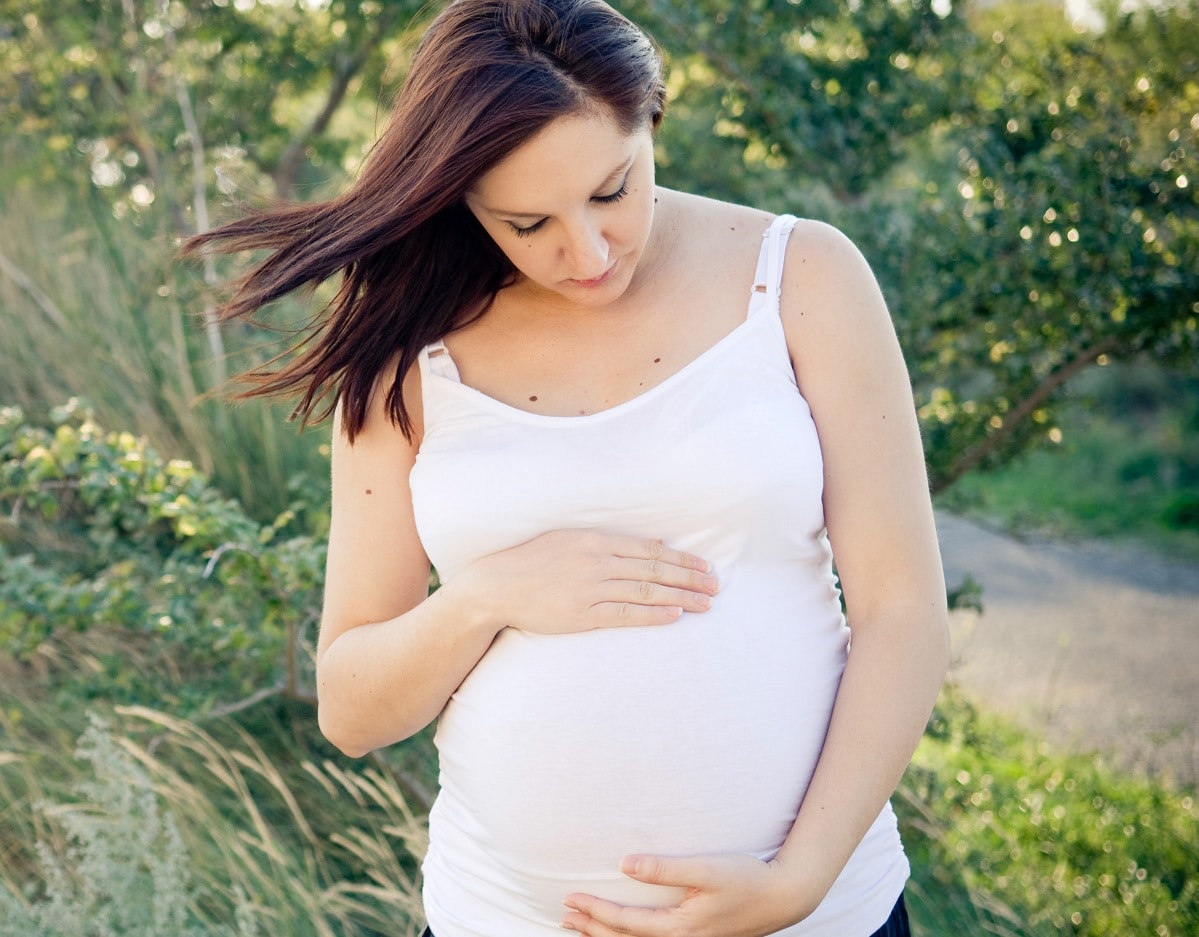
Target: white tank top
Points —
{"points": [[561, 754]]}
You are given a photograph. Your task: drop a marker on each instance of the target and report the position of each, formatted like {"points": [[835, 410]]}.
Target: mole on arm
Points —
{"points": [[368, 491]]}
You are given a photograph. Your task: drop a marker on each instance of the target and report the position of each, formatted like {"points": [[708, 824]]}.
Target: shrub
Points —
{"points": [[102, 532], [1065, 842]]}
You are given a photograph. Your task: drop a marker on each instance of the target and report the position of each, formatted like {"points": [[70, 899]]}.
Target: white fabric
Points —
{"points": [[561, 754]]}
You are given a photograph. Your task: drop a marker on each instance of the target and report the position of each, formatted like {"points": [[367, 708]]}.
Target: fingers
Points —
{"points": [[587, 579], [626, 592], [598, 918], [639, 548], [631, 615], [663, 573], [647, 582], [697, 872]]}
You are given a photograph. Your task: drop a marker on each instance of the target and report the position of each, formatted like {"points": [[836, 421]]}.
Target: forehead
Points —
{"points": [[570, 155]]}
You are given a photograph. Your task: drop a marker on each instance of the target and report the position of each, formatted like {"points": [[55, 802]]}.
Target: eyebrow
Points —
{"points": [[616, 173]]}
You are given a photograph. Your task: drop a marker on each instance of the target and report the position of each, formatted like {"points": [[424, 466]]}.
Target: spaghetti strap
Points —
{"points": [[435, 359], [776, 240]]}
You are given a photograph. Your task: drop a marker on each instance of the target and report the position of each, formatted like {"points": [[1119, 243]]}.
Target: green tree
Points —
{"points": [[773, 99], [147, 92], [1066, 234], [1025, 189]]}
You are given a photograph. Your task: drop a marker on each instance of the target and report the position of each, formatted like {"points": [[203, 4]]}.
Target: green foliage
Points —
{"points": [[1075, 223], [113, 320], [1005, 837], [113, 85], [1050, 843], [1025, 190], [771, 101], [102, 532]]}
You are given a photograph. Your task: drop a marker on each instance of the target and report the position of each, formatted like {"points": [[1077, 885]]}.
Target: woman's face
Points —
{"points": [[572, 208]]}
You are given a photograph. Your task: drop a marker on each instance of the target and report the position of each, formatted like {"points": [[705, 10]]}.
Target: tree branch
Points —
{"points": [[212, 326], [346, 66], [972, 457]]}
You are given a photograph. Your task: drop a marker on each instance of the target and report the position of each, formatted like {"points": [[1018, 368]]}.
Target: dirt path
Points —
{"points": [[1095, 645]]}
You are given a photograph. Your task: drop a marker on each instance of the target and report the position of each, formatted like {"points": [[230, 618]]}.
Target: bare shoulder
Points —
{"points": [[828, 286], [823, 263], [711, 227], [374, 460], [838, 328], [378, 426]]}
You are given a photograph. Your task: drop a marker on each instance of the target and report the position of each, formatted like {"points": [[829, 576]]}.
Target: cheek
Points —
{"points": [[530, 259]]}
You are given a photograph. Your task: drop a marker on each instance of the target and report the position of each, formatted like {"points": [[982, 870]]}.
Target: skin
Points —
{"points": [[675, 271]]}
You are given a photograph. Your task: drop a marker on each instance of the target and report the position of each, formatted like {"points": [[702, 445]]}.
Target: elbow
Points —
{"points": [[339, 721], [338, 731]]}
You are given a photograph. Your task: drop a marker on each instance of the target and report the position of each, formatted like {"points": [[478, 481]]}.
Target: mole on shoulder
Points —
{"points": [[534, 397], [368, 491], [657, 360]]}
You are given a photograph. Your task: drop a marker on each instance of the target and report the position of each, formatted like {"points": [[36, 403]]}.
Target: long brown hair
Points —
{"points": [[415, 264]]}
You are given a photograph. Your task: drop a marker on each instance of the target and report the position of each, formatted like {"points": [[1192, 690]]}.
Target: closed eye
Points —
{"points": [[615, 196], [525, 232], [602, 199]]}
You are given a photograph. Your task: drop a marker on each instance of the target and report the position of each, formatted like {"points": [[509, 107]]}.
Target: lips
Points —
{"points": [[598, 281]]}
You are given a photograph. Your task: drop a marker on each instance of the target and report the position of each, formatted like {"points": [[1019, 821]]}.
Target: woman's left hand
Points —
{"points": [[727, 896]]}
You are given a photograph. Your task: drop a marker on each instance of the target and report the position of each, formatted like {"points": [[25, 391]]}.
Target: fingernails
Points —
{"points": [[703, 601], [712, 584]]}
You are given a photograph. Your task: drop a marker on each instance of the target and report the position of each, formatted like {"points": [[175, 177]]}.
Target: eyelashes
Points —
{"points": [[615, 196], [601, 199], [525, 232]]}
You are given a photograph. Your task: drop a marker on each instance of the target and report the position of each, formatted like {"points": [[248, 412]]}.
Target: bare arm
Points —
{"points": [[880, 522], [879, 515], [389, 658]]}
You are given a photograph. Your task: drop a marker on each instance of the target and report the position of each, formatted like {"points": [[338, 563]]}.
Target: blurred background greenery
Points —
{"points": [[1023, 182]]}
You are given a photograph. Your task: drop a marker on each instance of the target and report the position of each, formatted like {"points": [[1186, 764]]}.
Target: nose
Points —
{"points": [[587, 251]]}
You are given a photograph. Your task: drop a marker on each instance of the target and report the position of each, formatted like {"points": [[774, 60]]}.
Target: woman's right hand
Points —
{"points": [[566, 581]]}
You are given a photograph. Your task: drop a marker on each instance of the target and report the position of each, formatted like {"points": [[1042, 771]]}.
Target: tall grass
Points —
{"points": [[265, 845], [99, 308], [1006, 837]]}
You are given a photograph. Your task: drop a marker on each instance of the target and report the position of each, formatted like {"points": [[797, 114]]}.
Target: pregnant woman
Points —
{"points": [[631, 428]]}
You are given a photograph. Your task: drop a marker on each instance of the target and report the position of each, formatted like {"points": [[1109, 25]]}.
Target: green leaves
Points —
{"points": [[1025, 189], [1064, 842], [102, 533], [104, 83]]}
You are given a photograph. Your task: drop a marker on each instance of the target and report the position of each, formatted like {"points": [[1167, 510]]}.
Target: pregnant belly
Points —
{"points": [[562, 754]]}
